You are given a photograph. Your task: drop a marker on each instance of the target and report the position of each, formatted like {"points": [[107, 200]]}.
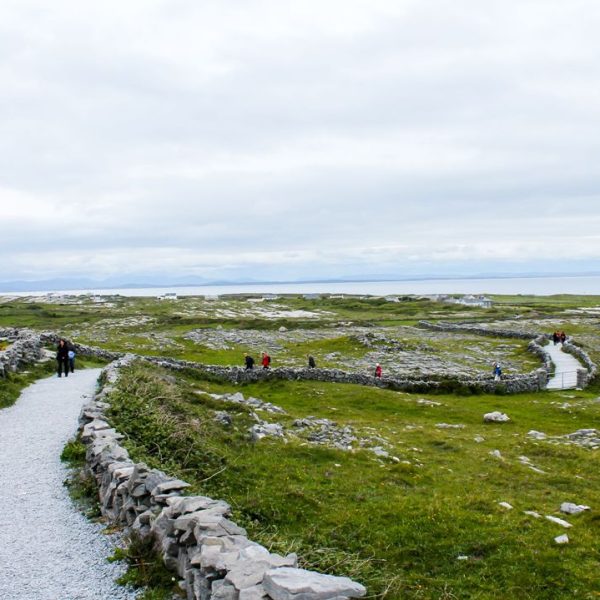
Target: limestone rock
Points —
{"points": [[298, 584], [558, 521], [223, 590], [256, 592], [569, 508], [262, 430], [562, 539], [496, 417]]}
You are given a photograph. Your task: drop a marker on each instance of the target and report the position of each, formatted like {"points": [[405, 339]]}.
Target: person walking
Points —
{"points": [[378, 371], [62, 357], [311, 361], [71, 355], [266, 360], [497, 372], [249, 361], [563, 337]]}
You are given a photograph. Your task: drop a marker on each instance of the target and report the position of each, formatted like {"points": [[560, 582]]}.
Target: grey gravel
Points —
{"points": [[48, 550]]}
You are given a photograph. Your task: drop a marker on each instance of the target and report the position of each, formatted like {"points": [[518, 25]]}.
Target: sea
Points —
{"points": [[538, 286]]}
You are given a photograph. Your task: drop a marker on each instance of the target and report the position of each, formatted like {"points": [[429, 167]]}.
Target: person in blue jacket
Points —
{"points": [[497, 372], [71, 355]]}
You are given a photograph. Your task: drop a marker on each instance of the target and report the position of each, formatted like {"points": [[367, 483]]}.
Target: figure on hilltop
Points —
{"points": [[311, 361], [62, 357], [378, 371], [249, 361], [266, 360]]}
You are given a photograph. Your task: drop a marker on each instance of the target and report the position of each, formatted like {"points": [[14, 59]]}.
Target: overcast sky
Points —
{"points": [[285, 140]]}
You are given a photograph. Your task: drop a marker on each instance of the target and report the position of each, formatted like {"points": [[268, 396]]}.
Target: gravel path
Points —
{"points": [[48, 550], [566, 365]]}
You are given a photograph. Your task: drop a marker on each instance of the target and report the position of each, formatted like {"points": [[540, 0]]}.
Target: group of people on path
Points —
{"points": [[65, 358], [266, 363], [559, 336]]}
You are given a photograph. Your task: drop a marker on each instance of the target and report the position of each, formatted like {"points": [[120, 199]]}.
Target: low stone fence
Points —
{"points": [[49, 337], [536, 347], [584, 376], [584, 357], [512, 384], [477, 330], [25, 348], [211, 554], [530, 382]]}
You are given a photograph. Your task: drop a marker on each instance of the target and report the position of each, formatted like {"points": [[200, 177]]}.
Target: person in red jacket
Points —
{"points": [[266, 360], [378, 371]]}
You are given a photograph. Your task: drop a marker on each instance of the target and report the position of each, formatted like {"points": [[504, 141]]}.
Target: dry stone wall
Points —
{"points": [[477, 330], [584, 376], [211, 555], [530, 382], [25, 347]]}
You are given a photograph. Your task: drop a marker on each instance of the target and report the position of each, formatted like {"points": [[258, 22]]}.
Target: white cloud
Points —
{"points": [[292, 138]]}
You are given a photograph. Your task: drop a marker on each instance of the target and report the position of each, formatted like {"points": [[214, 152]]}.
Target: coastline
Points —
{"points": [[538, 286]]}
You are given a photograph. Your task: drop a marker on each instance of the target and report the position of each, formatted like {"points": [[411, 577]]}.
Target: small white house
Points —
{"points": [[168, 296], [270, 297], [392, 299], [470, 300]]}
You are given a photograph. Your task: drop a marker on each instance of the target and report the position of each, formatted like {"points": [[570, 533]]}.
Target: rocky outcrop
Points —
{"points": [[211, 555]]}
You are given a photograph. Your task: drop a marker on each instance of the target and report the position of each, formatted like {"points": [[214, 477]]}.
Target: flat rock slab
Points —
{"points": [[299, 584], [48, 550]]}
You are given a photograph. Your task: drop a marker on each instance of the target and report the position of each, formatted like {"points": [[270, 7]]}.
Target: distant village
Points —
{"points": [[468, 300]]}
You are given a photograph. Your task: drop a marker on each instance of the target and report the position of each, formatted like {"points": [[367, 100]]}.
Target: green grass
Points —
{"points": [[397, 527], [82, 486], [13, 384], [146, 570]]}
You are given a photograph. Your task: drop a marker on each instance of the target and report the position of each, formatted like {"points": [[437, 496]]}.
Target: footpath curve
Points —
{"points": [[48, 550], [566, 367]]}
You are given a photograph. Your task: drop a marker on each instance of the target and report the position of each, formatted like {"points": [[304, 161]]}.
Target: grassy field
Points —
{"points": [[423, 522], [162, 328]]}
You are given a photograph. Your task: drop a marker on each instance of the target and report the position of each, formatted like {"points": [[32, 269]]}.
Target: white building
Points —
{"points": [[470, 300], [168, 296]]}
